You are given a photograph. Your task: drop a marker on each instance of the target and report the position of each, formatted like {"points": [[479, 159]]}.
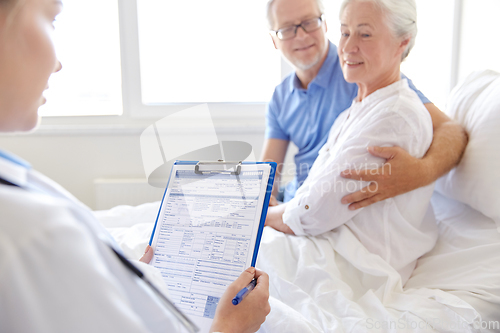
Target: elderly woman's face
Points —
{"points": [[27, 59], [369, 53]]}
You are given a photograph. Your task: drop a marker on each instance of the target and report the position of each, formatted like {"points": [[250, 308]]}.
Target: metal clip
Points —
{"points": [[237, 165]]}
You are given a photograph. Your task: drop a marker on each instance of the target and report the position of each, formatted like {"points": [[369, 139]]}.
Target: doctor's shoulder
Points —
{"points": [[26, 216]]}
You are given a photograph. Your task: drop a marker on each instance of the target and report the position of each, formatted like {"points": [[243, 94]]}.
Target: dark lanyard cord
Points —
{"points": [[6, 182], [191, 327]]}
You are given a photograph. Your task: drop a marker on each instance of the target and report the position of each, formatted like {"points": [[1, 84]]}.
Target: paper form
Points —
{"points": [[205, 235]]}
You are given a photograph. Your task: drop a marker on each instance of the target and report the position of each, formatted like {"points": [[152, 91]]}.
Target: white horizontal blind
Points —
{"points": [[199, 51], [88, 45]]}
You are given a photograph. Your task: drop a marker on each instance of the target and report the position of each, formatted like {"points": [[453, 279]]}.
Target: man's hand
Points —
{"points": [[274, 150], [248, 315], [401, 173]]}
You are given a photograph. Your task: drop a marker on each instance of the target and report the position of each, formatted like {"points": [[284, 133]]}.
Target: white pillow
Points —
{"points": [[475, 103]]}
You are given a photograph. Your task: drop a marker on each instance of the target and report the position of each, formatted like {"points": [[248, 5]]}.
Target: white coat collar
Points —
{"points": [[13, 169]]}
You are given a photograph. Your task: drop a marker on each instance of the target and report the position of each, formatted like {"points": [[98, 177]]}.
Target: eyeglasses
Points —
{"points": [[291, 31]]}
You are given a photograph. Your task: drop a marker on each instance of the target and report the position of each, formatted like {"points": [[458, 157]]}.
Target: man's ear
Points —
{"points": [[274, 42], [326, 27]]}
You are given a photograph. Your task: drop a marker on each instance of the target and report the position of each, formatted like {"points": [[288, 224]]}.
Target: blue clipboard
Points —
{"points": [[267, 198]]}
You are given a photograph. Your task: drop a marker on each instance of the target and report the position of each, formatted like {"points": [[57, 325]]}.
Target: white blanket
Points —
{"points": [[327, 283], [331, 283]]}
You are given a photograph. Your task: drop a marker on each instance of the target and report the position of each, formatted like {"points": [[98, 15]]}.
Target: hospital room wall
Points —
{"points": [[77, 160]]}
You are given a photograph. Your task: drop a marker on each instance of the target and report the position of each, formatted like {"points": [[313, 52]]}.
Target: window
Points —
{"points": [[87, 43], [149, 58], [187, 56], [429, 63], [479, 47]]}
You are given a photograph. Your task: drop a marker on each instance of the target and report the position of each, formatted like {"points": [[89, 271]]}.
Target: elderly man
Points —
{"points": [[305, 105]]}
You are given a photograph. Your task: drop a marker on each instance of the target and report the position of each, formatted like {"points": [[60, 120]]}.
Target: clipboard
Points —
{"points": [[208, 230]]}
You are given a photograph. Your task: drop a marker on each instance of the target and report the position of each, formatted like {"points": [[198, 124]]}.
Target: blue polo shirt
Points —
{"points": [[305, 116]]}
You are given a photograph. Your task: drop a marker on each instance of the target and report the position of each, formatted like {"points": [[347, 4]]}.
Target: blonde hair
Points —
{"points": [[402, 17]]}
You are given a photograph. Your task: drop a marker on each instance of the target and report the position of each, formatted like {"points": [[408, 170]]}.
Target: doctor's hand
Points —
{"points": [[148, 255], [401, 173], [248, 315]]}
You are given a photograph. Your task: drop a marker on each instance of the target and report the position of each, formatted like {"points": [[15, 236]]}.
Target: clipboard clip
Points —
{"points": [[237, 165]]}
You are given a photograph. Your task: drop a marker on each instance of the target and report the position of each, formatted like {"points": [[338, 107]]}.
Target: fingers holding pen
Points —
{"points": [[248, 315]]}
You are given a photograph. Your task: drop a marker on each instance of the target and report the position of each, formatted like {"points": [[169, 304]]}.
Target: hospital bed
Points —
{"points": [[454, 288]]}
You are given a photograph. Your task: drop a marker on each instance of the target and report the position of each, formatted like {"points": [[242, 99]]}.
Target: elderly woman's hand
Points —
{"points": [[274, 219]]}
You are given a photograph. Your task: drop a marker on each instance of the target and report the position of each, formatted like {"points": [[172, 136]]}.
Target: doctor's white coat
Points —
{"points": [[57, 274]]}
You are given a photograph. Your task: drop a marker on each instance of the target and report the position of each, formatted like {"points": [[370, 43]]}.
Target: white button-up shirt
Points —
{"points": [[399, 229]]}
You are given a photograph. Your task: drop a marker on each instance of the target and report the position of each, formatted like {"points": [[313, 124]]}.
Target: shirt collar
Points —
{"points": [[13, 168], [383, 93], [325, 72], [14, 159]]}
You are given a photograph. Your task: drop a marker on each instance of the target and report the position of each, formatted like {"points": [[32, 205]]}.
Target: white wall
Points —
{"points": [[75, 161], [75, 158]]}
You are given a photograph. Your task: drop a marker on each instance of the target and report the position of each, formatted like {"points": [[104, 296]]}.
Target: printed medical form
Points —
{"points": [[206, 233]]}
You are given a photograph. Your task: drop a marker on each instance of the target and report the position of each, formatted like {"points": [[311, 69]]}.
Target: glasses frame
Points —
{"points": [[296, 26]]}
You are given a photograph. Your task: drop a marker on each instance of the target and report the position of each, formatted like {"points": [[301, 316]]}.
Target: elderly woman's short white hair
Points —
{"points": [[270, 20], [401, 16]]}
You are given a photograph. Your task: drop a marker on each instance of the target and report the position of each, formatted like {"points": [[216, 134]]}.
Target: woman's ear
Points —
{"points": [[403, 45]]}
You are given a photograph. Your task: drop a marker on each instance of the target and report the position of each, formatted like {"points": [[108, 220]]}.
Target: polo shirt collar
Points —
{"points": [[325, 72], [295, 83], [13, 168]]}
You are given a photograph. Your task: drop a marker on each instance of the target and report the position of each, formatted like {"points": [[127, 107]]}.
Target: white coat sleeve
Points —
{"points": [[53, 279], [316, 208]]}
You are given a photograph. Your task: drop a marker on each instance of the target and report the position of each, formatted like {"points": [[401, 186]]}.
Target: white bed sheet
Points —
{"points": [[466, 259], [316, 288]]}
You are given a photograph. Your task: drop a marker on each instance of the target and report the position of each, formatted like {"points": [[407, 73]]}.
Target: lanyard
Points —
{"points": [[190, 326], [6, 182]]}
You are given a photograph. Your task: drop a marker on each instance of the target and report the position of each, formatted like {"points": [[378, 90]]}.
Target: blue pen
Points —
{"points": [[244, 292]]}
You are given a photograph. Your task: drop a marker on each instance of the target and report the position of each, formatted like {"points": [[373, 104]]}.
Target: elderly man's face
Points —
{"points": [[306, 50]]}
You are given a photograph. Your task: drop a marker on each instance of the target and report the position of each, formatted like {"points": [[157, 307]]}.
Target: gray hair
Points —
{"points": [[270, 21], [402, 17]]}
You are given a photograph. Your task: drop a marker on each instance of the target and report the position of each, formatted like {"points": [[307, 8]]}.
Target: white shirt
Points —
{"points": [[397, 229], [56, 272]]}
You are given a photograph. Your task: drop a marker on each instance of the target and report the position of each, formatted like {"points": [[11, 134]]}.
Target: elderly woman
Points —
{"points": [[59, 269], [376, 36]]}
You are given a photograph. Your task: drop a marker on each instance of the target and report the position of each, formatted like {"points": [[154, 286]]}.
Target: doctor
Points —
{"points": [[58, 272]]}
